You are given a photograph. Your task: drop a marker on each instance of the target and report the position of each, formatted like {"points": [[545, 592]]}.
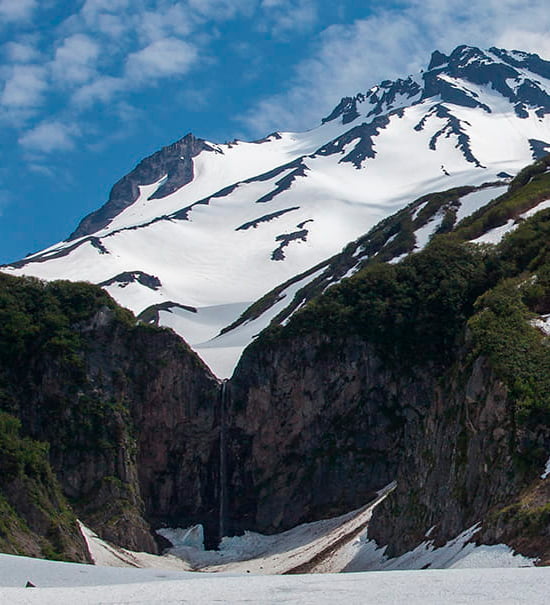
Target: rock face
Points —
{"points": [[162, 434], [318, 424], [459, 459], [35, 517], [311, 432], [429, 372], [129, 412], [176, 414], [174, 161]]}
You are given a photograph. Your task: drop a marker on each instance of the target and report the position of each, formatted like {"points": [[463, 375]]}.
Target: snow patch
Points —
{"points": [[542, 323], [458, 552], [106, 554], [494, 236], [474, 201]]}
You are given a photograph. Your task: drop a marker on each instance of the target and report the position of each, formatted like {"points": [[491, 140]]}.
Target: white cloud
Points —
{"points": [[25, 87], [20, 52], [100, 90], [92, 8], [160, 59], [173, 21], [16, 10], [391, 43], [222, 9], [284, 16], [529, 41], [75, 60], [49, 136]]}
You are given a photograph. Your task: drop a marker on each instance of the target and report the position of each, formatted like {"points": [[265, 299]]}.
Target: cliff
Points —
{"points": [[128, 412], [431, 372]]}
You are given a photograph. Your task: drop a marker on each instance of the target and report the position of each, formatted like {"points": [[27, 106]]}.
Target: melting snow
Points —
{"points": [[245, 565], [460, 552], [476, 200], [494, 236], [424, 233]]}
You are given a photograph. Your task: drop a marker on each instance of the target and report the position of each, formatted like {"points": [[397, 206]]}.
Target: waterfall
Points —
{"points": [[223, 460]]}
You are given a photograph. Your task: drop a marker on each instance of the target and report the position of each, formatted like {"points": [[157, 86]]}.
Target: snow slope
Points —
{"points": [[340, 544], [256, 214]]}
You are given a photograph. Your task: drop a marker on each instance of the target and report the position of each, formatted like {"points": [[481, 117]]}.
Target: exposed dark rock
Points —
{"points": [[95, 242], [150, 315], [539, 148], [464, 63], [284, 183], [452, 127], [438, 59], [307, 438], [529, 61], [130, 414], [318, 423], [364, 134], [458, 459], [265, 219], [174, 161], [285, 239], [268, 138], [383, 97], [346, 109], [129, 277], [281, 185]]}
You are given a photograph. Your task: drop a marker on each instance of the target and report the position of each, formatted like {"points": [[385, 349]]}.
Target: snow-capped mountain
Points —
{"points": [[199, 231]]}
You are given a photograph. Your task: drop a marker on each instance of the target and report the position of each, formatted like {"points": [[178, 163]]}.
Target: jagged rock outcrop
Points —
{"points": [[175, 162], [317, 424], [461, 456]]}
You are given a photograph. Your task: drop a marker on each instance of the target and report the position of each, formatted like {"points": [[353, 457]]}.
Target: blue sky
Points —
{"points": [[90, 87]]}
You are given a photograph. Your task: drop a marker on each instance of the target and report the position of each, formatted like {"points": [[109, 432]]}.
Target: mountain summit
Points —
{"points": [[198, 231]]}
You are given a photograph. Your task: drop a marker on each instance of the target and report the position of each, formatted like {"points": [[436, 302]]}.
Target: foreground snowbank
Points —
{"points": [[458, 586]]}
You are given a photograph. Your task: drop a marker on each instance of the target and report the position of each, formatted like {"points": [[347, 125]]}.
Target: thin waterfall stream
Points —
{"points": [[223, 460]]}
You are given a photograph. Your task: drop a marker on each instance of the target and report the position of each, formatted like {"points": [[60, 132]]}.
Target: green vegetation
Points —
{"points": [[74, 420], [455, 298], [531, 186], [526, 521], [20, 455], [34, 516], [39, 316], [519, 353], [412, 312]]}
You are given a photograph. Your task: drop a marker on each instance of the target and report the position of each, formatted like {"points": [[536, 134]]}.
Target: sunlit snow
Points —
{"points": [[203, 256]]}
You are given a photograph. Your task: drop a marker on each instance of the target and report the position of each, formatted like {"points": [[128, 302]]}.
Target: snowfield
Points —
{"points": [[296, 566], [70, 584], [245, 568], [257, 214]]}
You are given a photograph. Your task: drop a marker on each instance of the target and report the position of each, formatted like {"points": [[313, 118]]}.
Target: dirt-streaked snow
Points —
{"points": [[247, 570]]}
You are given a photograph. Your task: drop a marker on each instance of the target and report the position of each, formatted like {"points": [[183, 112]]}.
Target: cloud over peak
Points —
{"points": [[160, 59]]}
